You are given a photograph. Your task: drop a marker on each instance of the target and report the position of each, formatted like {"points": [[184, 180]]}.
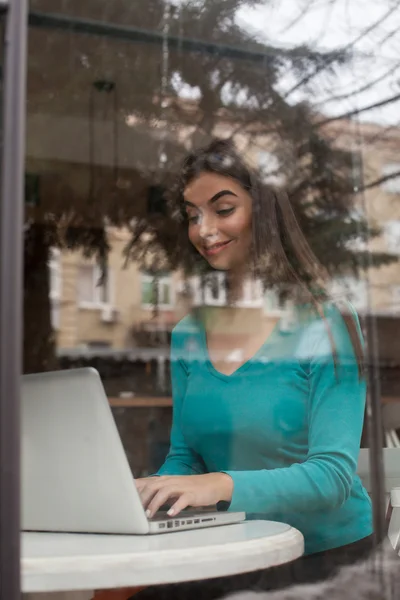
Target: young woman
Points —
{"points": [[274, 428]]}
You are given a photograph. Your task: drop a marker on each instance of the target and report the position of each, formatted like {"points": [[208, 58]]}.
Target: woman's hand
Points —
{"points": [[184, 490]]}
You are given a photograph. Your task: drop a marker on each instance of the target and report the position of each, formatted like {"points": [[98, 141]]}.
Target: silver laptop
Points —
{"points": [[75, 475]]}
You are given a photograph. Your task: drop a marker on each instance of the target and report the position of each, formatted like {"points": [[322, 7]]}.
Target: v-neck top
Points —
{"points": [[259, 355], [286, 426]]}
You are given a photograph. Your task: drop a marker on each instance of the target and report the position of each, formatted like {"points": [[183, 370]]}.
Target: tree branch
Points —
{"points": [[379, 181], [343, 50], [298, 17], [361, 89], [371, 28], [358, 111]]}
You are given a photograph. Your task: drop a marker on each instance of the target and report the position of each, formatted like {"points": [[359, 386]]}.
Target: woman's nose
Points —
{"points": [[208, 227]]}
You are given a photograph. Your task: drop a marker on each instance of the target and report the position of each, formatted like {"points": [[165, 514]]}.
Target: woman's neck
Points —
{"points": [[224, 318], [235, 281], [233, 317]]}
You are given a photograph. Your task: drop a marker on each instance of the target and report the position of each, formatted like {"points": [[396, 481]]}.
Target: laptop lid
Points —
{"points": [[75, 476]]}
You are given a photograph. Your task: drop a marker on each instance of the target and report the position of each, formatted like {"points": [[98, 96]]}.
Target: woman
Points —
{"points": [[273, 429]]}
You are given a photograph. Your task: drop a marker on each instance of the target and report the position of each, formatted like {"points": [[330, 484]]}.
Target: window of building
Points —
{"points": [[55, 286], [94, 292], [392, 236], [392, 186], [156, 290], [195, 290], [211, 292], [215, 290], [99, 345], [253, 296]]}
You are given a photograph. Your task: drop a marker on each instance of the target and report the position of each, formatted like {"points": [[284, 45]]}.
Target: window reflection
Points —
{"points": [[112, 112]]}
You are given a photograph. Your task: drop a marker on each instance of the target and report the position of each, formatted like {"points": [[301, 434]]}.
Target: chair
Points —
{"points": [[391, 463], [391, 423]]}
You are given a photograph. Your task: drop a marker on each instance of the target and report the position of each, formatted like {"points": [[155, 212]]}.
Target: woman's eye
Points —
{"points": [[193, 218], [224, 212]]}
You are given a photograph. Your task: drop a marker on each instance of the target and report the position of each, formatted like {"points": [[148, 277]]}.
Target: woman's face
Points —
{"points": [[219, 212]]}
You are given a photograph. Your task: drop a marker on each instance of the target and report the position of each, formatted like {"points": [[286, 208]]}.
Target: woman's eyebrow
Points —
{"points": [[214, 198], [219, 195], [187, 203]]}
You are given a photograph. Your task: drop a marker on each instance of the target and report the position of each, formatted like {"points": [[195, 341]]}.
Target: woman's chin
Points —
{"points": [[218, 263]]}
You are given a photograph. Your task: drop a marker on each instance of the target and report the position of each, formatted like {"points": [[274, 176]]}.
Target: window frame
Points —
{"points": [[253, 296], [96, 303], [162, 280], [55, 286]]}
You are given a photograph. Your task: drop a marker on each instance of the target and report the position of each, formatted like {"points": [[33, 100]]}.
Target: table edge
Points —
{"points": [[131, 569]]}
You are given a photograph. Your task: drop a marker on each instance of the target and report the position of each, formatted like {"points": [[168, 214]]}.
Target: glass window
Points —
{"points": [[252, 296], [118, 94], [148, 296], [94, 288], [156, 290], [165, 291], [215, 290]]}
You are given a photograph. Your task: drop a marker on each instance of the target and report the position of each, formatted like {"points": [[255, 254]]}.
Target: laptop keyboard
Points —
{"points": [[162, 515]]}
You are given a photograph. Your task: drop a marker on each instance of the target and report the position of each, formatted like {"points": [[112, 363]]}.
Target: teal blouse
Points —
{"points": [[286, 426]]}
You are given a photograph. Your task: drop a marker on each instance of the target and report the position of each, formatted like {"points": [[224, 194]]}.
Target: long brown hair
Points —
{"points": [[282, 257]]}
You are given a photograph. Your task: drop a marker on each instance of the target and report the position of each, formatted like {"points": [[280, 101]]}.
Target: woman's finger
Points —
{"points": [[141, 483], [148, 486], [161, 498], [182, 502], [153, 484], [147, 493], [144, 481]]}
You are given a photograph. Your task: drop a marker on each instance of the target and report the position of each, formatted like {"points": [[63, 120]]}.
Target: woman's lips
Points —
{"points": [[216, 248]]}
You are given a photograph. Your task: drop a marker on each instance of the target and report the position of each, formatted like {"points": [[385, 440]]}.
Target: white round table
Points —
{"points": [[59, 562]]}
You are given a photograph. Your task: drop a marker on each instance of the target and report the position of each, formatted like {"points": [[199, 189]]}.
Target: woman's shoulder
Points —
{"points": [[327, 325], [332, 310], [186, 326], [186, 338]]}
